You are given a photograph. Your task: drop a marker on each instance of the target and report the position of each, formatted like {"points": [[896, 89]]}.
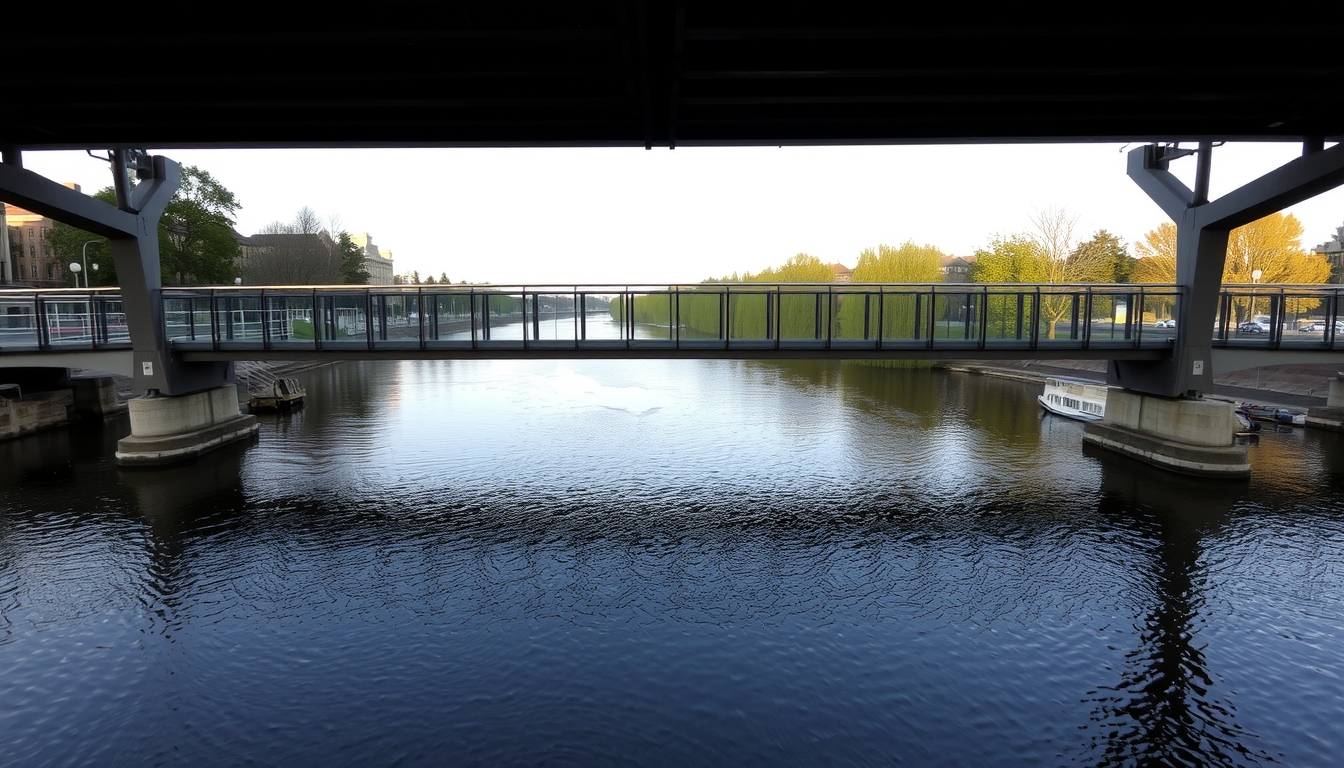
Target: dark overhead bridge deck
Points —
{"points": [[663, 73]]}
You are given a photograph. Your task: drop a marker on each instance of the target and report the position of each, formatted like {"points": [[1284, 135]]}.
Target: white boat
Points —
{"points": [[1074, 398]]}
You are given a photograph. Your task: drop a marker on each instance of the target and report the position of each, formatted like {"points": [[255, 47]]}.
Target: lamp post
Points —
{"points": [[74, 267], [84, 253], [1255, 278]]}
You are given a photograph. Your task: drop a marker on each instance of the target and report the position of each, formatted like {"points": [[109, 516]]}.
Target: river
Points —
{"points": [[667, 563]]}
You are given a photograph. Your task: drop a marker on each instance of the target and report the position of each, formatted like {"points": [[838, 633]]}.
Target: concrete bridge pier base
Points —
{"points": [[1192, 437], [171, 429]]}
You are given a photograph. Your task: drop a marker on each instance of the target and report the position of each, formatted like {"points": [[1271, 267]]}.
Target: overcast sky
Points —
{"points": [[564, 216]]}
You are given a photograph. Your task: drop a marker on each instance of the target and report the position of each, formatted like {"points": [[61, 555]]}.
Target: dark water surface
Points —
{"points": [[668, 563]]}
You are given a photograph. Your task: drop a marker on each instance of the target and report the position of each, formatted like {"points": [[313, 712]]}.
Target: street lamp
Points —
{"points": [[84, 252], [1255, 278], [74, 267]]}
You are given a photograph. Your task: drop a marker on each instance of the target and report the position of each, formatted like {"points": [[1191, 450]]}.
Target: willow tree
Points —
{"points": [[906, 263]]}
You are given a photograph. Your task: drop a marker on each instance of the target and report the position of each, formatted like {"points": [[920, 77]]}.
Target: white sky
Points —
{"points": [[566, 216]]}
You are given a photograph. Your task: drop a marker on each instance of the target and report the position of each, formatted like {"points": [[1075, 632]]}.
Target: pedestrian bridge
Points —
{"points": [[88, 329]]}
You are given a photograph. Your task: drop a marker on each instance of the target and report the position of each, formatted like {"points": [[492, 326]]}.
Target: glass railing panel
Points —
{"points": [[801, 315], [750, 316], [291, 320], [238, 319], [956, 317], [1060, 317], [1112, 318], [69, 323], [18, 322], [854, 316], [186, 317], [343, 320], [905, 317], [1007, 318]]}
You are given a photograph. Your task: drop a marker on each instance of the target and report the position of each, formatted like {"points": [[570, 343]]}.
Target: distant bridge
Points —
{"points": [[938, 321]]}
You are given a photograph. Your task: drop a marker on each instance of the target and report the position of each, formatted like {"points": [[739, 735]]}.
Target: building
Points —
{"points": [[1333, 251], [377, 261], [843, 274], [28, 258], [957, 269]]}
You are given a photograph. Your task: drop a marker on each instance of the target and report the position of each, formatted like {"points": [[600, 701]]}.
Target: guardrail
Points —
{"points": [[62, 320], [727, 316]]}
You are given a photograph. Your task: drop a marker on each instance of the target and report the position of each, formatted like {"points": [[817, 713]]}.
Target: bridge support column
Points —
{"points": [[185, 411], [171, 429], [1202, 228], [1192, 437], [1159, 416]]}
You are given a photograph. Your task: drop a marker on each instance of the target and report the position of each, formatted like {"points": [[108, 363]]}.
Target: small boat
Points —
{"points": [[1272, 413], [1075, 398], [285, 395]]}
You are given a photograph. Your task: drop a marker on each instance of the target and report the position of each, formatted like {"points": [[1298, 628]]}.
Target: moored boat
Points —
{"points": [[285, 395], [1272, 413], [1074, 398]]}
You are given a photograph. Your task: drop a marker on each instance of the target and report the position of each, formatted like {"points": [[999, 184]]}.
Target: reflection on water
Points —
{"points": [[668, 562]]}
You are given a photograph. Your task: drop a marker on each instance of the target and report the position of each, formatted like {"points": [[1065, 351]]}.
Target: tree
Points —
{"points": [[297, 253], [1105, 248], [196, 240], [1156, 262], [67, 243], [353, 271], [908, 263], [1046, 254], [1272, 245]]}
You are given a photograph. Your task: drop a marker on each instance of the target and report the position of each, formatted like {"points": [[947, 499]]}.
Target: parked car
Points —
{"points": [[1170, 323], [1312, 328], [1250, 326]]}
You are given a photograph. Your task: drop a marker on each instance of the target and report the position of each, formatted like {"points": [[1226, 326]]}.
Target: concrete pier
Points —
{"points": [[170, 429], [1193, 437], [34, 411]]}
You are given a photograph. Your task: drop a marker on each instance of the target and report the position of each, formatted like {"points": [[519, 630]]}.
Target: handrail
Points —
{"points": [[894, 317]]}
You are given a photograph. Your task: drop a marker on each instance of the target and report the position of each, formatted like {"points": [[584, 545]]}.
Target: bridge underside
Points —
{"points": [[672, 73]]}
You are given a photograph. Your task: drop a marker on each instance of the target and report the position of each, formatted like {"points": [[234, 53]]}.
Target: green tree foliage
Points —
{"points": [[1012, 259], [67, 243], [1102, 250], [196, 242], [908, 263], [352, 260], [1047, 255]]}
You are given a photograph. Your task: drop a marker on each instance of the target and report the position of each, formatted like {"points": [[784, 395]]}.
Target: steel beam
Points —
{"points": [[1203, 227], [133, 232]]}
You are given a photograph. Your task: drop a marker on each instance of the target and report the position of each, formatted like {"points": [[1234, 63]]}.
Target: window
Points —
{"points": [[34, 271]]}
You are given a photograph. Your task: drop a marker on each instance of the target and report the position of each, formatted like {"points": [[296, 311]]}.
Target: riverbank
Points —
{"points": [[1291, 386]]}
